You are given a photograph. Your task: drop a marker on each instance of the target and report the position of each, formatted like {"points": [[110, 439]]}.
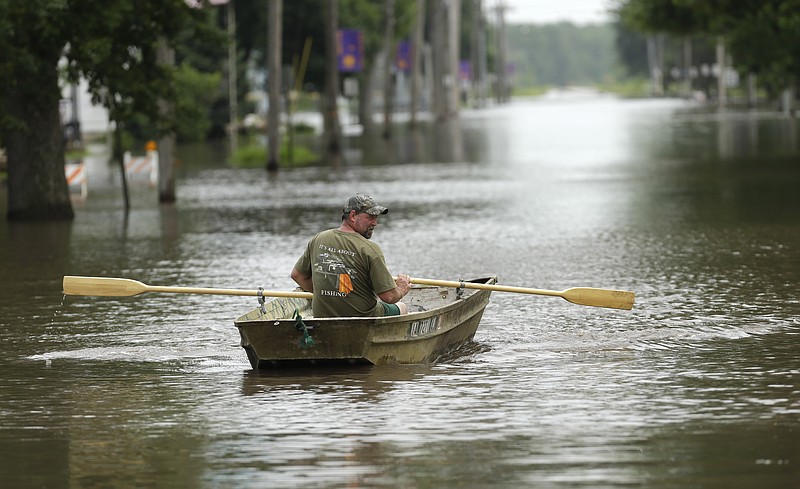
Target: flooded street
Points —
{"points": [[697, 211]]}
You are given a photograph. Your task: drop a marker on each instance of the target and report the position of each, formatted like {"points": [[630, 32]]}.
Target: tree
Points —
{"points": [[388, 81], [112, 44], [369, 17], [330, 114], [275, 23], [561, 54], [445, 18], [763, 36]]}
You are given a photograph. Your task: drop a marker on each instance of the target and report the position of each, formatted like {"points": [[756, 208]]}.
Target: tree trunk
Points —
{"points": [[687, 66], [478, 56], [501, 63], [388, 58], [233, 97], [721, 93], [166, 142], [330, 110], [274, 18], [438, 11], [416, 57], [454, 49], [37, 186], [655, 61], [365, 106], [445, 42]]}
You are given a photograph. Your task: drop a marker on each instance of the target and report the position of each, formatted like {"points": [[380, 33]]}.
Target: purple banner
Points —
{"points": [[465, 71], [350, 50], [403, 57]]}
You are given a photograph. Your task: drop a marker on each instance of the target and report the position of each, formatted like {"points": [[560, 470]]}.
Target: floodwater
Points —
{"points": [[694, 209]]}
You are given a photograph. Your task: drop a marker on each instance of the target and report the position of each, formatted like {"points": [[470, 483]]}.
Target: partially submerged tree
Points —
{"points": [[112, 44]]}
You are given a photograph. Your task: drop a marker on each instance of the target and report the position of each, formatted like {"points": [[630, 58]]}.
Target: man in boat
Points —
{"points": [[346, 271]]}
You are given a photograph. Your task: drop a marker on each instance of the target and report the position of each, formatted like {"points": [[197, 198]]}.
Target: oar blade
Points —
{"points": [[587, 296], [102, 286]]}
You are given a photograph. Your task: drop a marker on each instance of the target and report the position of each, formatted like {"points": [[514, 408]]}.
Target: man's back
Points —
{"points": [[347, 271]]}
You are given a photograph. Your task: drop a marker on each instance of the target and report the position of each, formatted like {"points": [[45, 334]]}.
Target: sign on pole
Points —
{"points": [[403, 57], [350, 50]]}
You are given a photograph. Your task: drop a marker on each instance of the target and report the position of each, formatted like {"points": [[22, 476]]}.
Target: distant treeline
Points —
{"points": [[562, 54]]}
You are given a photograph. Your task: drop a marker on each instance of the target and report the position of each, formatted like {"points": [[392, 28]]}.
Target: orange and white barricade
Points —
{"points": [[146, 166], [77, 177]]}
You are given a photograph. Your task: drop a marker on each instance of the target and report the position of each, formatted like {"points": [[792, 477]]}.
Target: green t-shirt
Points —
{"points": [[348, 271]]}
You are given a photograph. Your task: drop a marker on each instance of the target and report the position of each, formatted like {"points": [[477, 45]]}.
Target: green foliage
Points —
{"points": [[672, 16], [75, 154], [255, 156], [195, 92], [112, 43], [631, 87], [303, 19], [762, 36]]}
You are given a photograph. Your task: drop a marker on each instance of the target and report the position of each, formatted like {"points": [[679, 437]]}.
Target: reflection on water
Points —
{"points": [[695, 210]]}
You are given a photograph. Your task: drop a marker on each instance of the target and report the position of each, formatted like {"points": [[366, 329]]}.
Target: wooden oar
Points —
{"points": [[123, 287], [586, 296]]}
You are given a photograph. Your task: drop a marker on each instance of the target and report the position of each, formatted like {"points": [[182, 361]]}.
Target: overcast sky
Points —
{"points": [[551, 11]]}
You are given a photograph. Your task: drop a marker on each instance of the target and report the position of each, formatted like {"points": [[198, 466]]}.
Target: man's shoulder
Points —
{"points": [[352, 241], [327, 234]]}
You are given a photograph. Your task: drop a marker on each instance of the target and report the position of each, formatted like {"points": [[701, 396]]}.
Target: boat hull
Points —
{"points": [[440, 321]]}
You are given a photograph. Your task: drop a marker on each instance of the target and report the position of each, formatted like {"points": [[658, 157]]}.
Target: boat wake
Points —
{"points": [[194, 360]]}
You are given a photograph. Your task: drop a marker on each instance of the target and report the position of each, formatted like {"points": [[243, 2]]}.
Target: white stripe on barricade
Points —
{"points": [[76, 175], [136, 166]]}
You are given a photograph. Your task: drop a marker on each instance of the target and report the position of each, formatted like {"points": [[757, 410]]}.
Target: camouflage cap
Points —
{"points": [[363, 203]]}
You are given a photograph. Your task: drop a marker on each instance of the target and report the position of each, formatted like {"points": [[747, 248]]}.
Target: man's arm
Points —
{"points": [[304, 282], [393, 296]]}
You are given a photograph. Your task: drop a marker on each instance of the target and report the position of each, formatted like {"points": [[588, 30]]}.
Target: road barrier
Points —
{"points": [[77, 177], [142, 167]]}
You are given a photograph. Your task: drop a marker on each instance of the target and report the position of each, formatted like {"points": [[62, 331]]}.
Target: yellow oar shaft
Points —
{"points": [[474, 285], [586, 296], [213, 291]]}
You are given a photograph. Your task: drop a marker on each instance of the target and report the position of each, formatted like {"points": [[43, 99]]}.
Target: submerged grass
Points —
{"points": [[254, 155]]}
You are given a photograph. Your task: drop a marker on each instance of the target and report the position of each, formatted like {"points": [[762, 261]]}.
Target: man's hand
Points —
{"points": [[403, 283]]}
